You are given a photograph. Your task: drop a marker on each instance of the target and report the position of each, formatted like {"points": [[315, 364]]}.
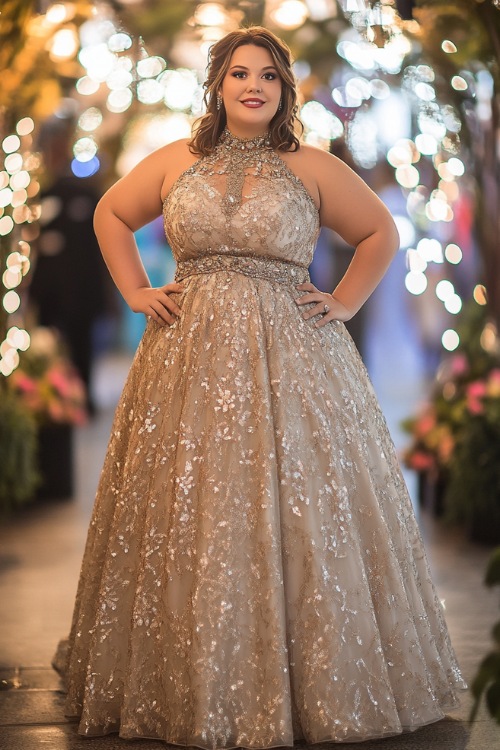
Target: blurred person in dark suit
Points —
{"points": [[68, 288]]}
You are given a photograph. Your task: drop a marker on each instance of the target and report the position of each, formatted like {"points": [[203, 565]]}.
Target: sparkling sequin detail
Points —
{"points": [[253, 573], [271, 269]]}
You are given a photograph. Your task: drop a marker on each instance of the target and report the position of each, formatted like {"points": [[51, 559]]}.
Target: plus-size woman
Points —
{"points": [[253, 573]]}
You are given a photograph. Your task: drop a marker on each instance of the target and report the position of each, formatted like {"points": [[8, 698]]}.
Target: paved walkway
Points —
{"points": [[40, 555]]}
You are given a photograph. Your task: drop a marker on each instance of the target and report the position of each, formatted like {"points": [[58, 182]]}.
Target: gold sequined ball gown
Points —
{"points": [[253, 572]]}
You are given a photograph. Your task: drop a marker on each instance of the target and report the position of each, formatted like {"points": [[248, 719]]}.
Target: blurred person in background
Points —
{"points": [[69, 283]]}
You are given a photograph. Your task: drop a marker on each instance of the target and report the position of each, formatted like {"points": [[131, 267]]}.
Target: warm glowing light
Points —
{"points": [[5, 197], [453, 253], [426, 144], [416, 282], [403, 152], [450, 339], [119, 78], [450, 189], [407, 176], [459, 83], [429, 123], [358, 54], [11, 301], [87, 86], [119, 42], [149, 91], [456, 166], [321, 121], [379, 89], [20, 180], [20, 214], [445, 173], [444, 290], [12, 277], [13, 163], [425, 91], [119, 101], [416, 263], [210, 14], [6, 225], [85, 149], [453, 304], [406, 230], [151, 67], [33, 188], [430, 250], [90, 119], [480, 294], [19, 338], [25, 126], [4, 179], [448, 47], [11, 143], [64, 44], [19, 197], [179, 87], [438, 209], [290, 14], [60, 12], [489, 337], [24, 248], [358, 88], [98, 61]]}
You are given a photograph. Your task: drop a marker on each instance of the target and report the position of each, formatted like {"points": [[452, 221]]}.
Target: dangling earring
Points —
{"points": [[219, 102], [280, 105]]}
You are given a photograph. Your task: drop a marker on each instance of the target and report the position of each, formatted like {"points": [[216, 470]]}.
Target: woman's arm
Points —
{"points": [[129, 204], [351, 208]]}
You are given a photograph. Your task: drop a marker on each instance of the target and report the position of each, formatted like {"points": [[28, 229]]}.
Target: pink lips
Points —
{"points": [[253, 103]]}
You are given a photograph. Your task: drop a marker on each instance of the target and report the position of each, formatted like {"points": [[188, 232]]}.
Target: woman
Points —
{"points": [[253, 573]]}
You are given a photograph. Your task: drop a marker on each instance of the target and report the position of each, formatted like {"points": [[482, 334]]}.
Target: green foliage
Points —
{"points": [[18, 446], [487, 679], [473, 491]]}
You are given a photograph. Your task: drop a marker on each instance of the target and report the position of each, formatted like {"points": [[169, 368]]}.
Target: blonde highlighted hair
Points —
{"points": [[282, 127]]}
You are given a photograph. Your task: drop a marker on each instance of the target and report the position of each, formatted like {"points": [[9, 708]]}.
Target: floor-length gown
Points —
{"points": [[253, 573]]}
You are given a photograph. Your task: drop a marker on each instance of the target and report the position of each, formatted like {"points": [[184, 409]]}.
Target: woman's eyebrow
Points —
{"points": [[268, 67]]}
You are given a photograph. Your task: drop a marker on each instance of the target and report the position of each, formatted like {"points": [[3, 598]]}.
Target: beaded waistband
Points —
{"points": [[272, 269]]}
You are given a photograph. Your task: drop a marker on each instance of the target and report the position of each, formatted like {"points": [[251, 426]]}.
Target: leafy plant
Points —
{"points": [[47, 383], [487, 679], [456, 437], [18, 447]]}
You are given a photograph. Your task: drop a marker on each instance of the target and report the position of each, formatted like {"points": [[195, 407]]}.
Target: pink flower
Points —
{"points": [[474, 405], [24, 383], [477, 389], [59, 380], [425, 424], [421, 461], [459, 365]]}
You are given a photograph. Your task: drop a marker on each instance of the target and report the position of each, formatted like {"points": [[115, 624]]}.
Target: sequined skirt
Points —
{"points": [[272, 269]]}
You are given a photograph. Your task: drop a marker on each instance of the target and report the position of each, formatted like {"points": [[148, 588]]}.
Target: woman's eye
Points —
{"points": [[270, 76], [238, 74]]}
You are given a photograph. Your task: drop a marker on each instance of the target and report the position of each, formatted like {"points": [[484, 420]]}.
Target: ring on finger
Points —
{"points": [[326, 309]]}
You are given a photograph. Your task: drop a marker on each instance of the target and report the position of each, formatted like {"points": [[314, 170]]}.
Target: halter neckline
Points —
{"points": [[244, 144]]}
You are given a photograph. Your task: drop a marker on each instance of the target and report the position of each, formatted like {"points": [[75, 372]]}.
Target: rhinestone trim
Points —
{"points": [[271, 269]]}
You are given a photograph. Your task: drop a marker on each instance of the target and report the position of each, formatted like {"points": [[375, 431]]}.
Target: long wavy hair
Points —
{"points": [[282, 128]]}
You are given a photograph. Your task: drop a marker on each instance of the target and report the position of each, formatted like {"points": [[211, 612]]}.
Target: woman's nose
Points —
{"points": [[253, 86]]}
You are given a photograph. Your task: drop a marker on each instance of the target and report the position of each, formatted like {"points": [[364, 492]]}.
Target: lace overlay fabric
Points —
{"points": [[253, 573]]}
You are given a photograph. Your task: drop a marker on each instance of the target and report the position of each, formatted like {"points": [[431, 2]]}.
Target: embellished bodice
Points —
{"points": [[241, 200]]}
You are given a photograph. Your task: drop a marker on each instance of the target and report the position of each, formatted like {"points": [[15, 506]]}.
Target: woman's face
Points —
{"points": [[251, 91]]}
